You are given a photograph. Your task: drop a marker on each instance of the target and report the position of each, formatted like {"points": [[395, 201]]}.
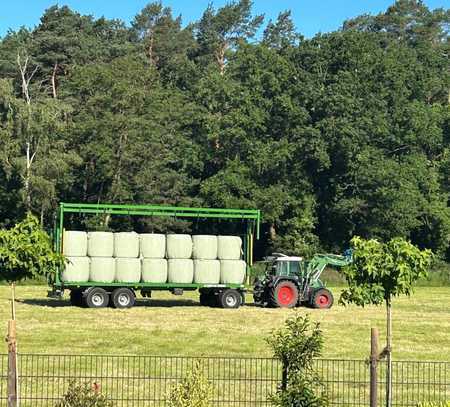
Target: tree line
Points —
{"points": [[346, 133]]}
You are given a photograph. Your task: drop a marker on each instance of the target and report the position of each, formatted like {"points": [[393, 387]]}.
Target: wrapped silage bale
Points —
{"points": [[232, 271], [206, 271], [126, 244], [100, 244], [128, 270], [179, 246], [229, 247], [102, 270], [154, 270], [76, 269], [204, 247], [74, 243], [180, 271], [153, 245]]}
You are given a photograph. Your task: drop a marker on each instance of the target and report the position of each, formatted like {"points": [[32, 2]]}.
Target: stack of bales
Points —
{"points": [[232, 268], [105, 257], [126, 253], [154, 264], [100, 251], [75, 249]]}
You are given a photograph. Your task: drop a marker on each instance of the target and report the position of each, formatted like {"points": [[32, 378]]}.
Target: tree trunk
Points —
{"points": [[220, 57], [55, 68], [28, 178], [389, 353], [272, 232]]}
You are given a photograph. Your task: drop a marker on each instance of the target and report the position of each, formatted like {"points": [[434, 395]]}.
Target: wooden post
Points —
{"points": [[13, 398], [373, 367], [389, 354], [12, 364]]}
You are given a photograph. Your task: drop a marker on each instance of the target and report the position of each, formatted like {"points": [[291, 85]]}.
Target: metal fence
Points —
{"points": [[147, 380]]}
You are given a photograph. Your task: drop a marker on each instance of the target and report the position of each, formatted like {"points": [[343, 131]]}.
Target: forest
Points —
{"points": [[346, 133]]}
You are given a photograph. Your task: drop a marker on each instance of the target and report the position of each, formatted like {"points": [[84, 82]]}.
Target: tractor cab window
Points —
{"points": [[283, 268], [294, 268]]}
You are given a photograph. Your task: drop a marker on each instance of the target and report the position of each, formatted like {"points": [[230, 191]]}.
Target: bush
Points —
{"points": [[194, 391], [84, 395], [296, 345], [433, 404]]}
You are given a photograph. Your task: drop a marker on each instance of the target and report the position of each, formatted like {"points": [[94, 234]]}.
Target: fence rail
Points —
{"points": [[140, 381]]}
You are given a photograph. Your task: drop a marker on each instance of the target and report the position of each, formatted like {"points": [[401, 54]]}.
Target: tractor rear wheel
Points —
{"points": [[284, 295], [322, 298]]}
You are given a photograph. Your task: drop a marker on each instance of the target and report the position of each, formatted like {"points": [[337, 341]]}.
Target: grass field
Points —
{"points": [[168, 325]]}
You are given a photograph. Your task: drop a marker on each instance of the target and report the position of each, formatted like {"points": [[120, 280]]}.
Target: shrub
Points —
{"points": [[84, 395], [296, 345], [194, 391]]}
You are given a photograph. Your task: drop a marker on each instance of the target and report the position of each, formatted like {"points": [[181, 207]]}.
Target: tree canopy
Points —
{"points": [[343, 134]]}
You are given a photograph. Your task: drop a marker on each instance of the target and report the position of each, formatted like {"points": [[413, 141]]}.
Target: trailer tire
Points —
{"points": [[205, 299], [230, 298], [322, 298], [76, 298], [122, 298], [284, 295], [95, 297]]}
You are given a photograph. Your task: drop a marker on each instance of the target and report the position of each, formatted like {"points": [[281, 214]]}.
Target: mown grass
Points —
{"points": [[168, 325]]}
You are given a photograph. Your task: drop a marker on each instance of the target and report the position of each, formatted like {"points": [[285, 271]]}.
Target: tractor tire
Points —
{"points": [[230, 298], [76, 298], [322, 298], [284, 295], [95, 297], [122, 298]]}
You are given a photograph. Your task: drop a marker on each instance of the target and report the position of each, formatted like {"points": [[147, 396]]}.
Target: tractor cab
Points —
{"points": [[281, 265]]}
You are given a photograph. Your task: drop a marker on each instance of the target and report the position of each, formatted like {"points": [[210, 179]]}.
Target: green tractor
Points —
{"points": [[291, 281]]}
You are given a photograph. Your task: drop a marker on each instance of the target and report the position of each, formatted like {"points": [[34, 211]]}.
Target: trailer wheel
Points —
{"points": [[122, 298], [284, 295], [76, 298], [95, 297], [230, 298], [322, 298]]}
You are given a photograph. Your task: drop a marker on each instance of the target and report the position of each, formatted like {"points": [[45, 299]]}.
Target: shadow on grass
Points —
{"points": [[45, 302], [162, 303]]}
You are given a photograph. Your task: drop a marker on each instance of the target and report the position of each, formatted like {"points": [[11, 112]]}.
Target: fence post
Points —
{"points": [[12, 364], [13, 399], [373, 367]]}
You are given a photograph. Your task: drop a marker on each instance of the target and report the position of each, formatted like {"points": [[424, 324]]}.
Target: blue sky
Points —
{"points": [[310, 16]]}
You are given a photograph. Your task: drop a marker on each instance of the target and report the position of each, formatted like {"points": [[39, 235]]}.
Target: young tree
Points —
{"points": [[379, 272], [26, 252], [296, 345]]}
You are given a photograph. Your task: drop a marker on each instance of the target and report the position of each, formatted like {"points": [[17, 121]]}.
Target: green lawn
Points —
{"points": [[169, 325]]}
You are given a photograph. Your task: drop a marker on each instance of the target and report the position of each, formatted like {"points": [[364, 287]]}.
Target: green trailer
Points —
{"points": [[122, 295]]}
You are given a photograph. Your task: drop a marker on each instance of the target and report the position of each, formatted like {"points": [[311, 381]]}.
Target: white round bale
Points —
{"points": [[153, 245], [102, 270], [204, 247], [179, 246], [76, 270], [154, 270], [126, 244], [128, 270], [229, 247], [100, 244], [232, 271], [180, 271], [206, 271], [74, 243]]}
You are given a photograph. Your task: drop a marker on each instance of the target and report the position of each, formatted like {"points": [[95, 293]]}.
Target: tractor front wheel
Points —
{"points": [[284, 295], [322, 298]]}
